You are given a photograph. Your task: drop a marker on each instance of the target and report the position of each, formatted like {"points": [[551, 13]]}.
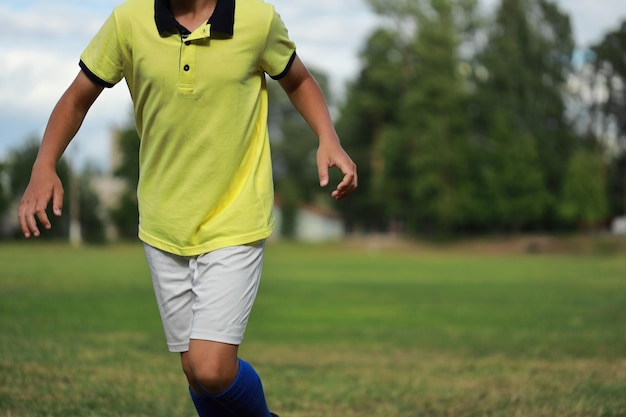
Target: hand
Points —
{"points": [[331, 154], [43, 187]]}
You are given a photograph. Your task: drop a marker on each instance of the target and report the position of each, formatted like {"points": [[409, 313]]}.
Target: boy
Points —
{"points": [[196, 73]]}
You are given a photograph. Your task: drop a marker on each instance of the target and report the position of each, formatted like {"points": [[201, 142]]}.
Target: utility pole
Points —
{"points": [[76, 236]]}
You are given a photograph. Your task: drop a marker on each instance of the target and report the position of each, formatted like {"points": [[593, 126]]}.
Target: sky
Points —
{"points": [[41, 41]]}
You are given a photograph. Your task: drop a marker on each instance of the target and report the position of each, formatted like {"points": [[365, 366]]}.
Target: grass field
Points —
{"points": [[337, 330]]}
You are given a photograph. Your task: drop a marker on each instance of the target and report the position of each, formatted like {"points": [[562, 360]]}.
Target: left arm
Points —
{"points": [[307, 97]]}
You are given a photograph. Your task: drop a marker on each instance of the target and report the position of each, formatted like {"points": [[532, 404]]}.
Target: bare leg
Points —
{"points": [[210, 366]]}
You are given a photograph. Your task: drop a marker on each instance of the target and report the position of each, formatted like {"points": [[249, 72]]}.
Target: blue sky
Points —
{"points": [[42, 41]]}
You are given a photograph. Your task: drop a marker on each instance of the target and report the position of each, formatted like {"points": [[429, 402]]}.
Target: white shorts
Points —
{"points": [[206, 297]]}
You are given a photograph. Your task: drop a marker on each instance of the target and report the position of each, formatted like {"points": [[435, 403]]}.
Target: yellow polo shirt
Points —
{"points": [[200, 105]]}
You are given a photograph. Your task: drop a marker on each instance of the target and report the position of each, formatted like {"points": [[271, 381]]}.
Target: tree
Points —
{"points": [[610, 121], [90, 208], [434, 132], [371, 105], [4, 192], [520, 77], [406, 113], [126, 215], [611, 66], [512, 184], [583, 200]]}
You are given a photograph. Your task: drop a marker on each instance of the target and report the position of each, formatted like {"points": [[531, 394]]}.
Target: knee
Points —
{"points": [[212, 377]]}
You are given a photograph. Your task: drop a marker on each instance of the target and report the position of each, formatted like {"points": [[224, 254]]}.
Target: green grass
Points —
{"points": [[336, 331]]}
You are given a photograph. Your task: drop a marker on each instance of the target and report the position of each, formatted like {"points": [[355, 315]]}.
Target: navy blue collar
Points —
{"points": [[222, 20]]}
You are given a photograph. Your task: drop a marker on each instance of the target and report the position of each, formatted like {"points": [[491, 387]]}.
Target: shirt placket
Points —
{"points": [[187, 66]]}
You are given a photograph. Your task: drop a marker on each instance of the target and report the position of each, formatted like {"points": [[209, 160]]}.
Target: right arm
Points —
{"points": [[45, 185]]}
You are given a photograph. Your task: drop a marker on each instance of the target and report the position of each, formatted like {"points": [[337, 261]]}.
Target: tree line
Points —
{"points": [[459, 122], [462, 123]]}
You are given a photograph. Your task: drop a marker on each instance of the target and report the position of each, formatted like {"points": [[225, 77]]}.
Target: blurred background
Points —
{"points": [[485, 133], [465, 118]]}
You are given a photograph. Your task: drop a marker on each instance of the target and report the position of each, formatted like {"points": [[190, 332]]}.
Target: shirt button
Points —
{"points": [[187, 43], [186, 67]]}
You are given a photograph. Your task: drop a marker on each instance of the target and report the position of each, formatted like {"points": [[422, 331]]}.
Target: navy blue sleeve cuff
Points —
{"points": [[286, 70], [93, 77]]}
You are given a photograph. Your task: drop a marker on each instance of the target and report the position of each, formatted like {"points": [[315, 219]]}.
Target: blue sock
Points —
{"points": [[207, 406], [245, 396]]}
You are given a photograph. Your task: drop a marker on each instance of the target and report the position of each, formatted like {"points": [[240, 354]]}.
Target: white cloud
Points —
{"points": [[42, 42], [47, 21], [32, 78], [591, 19]]}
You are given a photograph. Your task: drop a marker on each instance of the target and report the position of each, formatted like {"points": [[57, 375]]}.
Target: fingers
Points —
{"points": [[33, 210], [30, 211], [349, 182], [347, 168], [322, 172], [57, 200]]}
